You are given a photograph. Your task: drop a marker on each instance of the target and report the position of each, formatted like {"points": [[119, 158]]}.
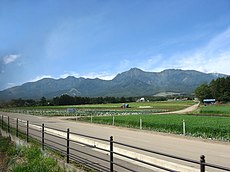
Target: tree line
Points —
{"points": [[218, 89], [70, 100], [66, 100], [74, 100]]}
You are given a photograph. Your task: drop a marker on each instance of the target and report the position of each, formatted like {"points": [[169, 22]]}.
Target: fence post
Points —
{"points": [[140, 123], [202, 163], [184, 127], [17, 127], [111, 153], [67, 147], [2, 121], [43, 134], [113, 120], [27, 131], [8, 124]]}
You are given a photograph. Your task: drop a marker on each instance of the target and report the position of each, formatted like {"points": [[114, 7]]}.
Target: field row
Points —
{"points": [[81, 112], [212, 127], [208, 122], [161, 105], [223, 109], [103, 109]]}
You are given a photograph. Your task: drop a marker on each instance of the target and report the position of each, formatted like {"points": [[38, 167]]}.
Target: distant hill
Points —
{"points": [[134, 82]]}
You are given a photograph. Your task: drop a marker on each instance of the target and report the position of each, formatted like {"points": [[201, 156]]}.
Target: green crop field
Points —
{"points": [[200, 126], [104, 109], [208, 122], [223, 109], [165, 105]]}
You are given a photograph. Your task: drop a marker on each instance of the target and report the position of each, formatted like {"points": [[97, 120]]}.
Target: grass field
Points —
{"points": [[157, 106], [200, 126], [162, 105], [223, 109], [104, 109], [209, 122]]}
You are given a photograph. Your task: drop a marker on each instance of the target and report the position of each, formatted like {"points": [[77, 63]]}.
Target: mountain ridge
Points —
{"points": [[134, 82]]}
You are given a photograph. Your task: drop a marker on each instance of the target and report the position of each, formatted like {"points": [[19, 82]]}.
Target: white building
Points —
{"points": [[141, 99]]}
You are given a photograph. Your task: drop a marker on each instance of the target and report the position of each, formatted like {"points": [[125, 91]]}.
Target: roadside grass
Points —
{"points": [[25, 159], [32, 159], [7, 151], [213, 127], [21, 155]]}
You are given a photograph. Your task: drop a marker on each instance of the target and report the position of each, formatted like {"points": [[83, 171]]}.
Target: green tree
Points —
{"points": [[66, 100], [43, 101], [218, 89], [203, 92]]}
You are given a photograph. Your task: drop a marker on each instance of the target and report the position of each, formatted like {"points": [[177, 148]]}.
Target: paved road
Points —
{"points": [[215, 152]]}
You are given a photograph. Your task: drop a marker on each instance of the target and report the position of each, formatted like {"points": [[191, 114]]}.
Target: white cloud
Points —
{"points": [[125, 64], [10, 84], [10, 58], [101, 75], [214, 57], [150, 62], [219, 43], [218, 63], [40, 77], [66, 74], [91, 75]]}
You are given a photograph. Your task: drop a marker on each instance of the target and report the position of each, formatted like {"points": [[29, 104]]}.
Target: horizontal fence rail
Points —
{"points": [[93, 152]]}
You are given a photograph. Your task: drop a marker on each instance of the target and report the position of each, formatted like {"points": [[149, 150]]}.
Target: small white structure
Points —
{"points": [[209, 101], [141, 99]]}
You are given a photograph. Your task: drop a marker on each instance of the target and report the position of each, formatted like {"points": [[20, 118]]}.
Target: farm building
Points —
{"points": [[141, 99], [209, 101]]}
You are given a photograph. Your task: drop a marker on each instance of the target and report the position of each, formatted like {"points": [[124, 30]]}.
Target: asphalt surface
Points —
{"points": [[215, 152]]}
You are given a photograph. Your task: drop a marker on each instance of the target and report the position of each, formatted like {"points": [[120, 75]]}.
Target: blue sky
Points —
{"points": [[100, 38]]}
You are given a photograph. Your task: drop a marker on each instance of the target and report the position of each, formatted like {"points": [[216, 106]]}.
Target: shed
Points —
{"points": [[141, 99], [209, 101]]}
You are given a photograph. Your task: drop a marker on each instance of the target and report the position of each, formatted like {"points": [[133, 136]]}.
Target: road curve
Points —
{"points": [[186, 110]]}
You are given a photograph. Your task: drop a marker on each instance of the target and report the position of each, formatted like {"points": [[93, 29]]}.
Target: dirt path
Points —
{"points": [[186, 110]]}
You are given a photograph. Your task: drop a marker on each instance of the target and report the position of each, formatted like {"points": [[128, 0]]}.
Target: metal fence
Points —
{"points": [[84, 149]]}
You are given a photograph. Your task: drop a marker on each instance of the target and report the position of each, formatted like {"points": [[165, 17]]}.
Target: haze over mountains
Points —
{"points": [[133, 82]]}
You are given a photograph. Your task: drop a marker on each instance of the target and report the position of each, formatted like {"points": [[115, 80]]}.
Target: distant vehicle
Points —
{"points": [[71, 110]]}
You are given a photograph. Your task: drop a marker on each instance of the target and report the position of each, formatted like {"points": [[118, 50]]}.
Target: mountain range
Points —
{"points": [[133, 82]]}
